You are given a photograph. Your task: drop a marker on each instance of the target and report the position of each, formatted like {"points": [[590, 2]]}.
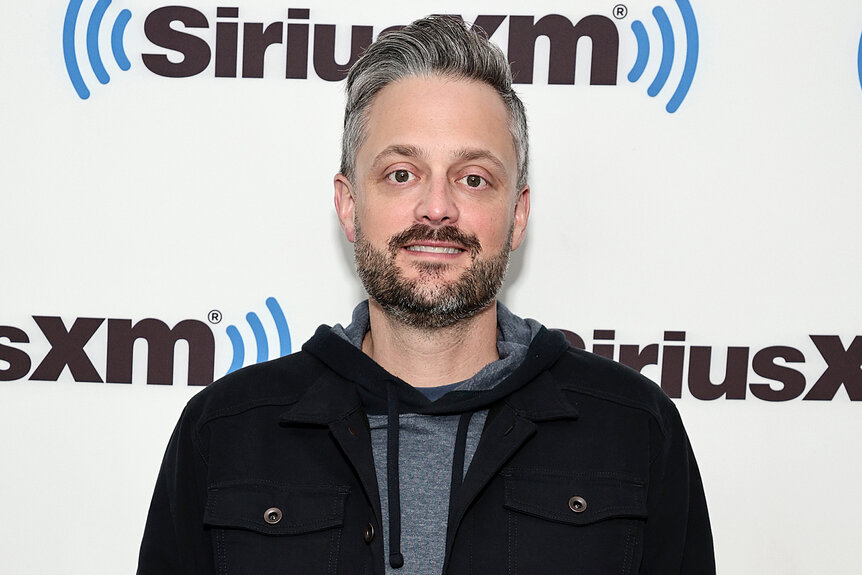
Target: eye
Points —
{"points": [[400, 176], [474, 181]]}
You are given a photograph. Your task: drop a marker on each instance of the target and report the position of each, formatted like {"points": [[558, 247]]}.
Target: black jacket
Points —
{"points": [[583, 467]]}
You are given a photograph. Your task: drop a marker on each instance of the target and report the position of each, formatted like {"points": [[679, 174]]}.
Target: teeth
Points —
{"points": [[434, 249]]}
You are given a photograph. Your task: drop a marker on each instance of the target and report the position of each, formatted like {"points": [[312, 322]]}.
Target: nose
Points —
{"points": [[437, 203]]}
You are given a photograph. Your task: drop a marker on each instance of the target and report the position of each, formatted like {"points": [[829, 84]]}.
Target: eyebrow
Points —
{"points": [[398, 150], [469, 154], [463, 154]]}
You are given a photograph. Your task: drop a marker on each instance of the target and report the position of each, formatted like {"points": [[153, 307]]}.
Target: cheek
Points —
{"points": [[493, 230], [377, 222]]}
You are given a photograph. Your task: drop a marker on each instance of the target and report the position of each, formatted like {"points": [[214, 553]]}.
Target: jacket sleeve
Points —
{"points": [[678, 535], [175, 541]]}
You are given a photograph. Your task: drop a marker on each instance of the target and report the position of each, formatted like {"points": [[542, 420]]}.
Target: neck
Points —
{"points": [[432, 357]]}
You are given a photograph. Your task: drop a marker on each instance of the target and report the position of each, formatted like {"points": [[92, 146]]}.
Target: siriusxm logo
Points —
{"points": [[72, 349], [225, 46]]}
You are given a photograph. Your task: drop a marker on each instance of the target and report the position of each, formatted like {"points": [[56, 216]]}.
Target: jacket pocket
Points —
{"points": [[585, 523], [264, 527]]}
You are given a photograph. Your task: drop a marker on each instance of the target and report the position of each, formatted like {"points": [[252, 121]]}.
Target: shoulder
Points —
{"points": [[279, 382], [596, 378]]}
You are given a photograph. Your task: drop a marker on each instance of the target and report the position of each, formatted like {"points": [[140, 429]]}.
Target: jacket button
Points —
{"points": [[368, 533], [578, 504], [272, 515]]}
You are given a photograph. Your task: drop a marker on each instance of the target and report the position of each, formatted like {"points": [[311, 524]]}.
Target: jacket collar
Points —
{"points": [[329, 399], [332, 397], [542, 400]]}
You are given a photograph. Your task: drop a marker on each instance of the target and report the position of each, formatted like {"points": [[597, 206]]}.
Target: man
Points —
{"points": [[438, 432]]}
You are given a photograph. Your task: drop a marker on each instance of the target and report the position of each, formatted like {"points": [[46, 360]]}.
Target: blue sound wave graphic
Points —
{"points": [[260, 339], [643, 51], [859, 62], [94, 55], [668, 53]]}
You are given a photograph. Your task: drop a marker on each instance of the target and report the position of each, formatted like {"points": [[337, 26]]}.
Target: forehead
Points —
{"points": [[440, 115]]}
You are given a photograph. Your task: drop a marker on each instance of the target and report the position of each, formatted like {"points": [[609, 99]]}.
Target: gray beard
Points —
{"points": [[436, 306]]}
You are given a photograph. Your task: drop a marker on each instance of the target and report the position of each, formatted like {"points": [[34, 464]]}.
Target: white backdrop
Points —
{"points": [[734, 219]]}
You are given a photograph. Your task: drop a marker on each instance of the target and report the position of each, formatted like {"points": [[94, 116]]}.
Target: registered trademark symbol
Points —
{"points": [[620, 11], [214, 316]]}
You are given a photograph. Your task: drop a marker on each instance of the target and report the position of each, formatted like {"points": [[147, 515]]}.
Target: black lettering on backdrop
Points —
{"points": [[637, 358], [227, 35], [167, 27], [672, 359], [18, 360], [488, 23], [297, 44], [196, 52], [603, 349], [67, 349], [764, 365], [843, 367], [564, 37], [324, 50], [161, 342], [735, 376], [255, 41]]}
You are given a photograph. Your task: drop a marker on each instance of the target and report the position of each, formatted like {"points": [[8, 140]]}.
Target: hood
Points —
{"points": [[374, 384]]}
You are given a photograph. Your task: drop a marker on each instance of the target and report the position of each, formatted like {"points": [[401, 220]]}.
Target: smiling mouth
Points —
{"points": [[446, 242], [433, 249]]}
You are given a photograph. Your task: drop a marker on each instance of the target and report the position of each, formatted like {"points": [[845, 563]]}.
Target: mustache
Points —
{"points": [[419, 232]]}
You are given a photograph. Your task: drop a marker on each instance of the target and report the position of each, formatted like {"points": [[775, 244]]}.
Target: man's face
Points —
{"points": [[433, 210]]}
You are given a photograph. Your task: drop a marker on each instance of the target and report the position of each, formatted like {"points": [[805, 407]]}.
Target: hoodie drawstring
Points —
{"points": [[396, 559], [460, 454]]}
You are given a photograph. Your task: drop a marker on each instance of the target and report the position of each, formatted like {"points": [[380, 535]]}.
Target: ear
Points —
{"points": [[345, 205], [522, 214]]}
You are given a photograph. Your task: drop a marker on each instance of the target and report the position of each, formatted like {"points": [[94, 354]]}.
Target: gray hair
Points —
{"points": [[436, 45]]}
